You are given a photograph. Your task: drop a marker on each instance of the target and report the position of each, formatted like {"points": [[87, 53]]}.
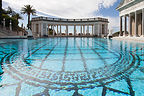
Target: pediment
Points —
{"points": [[124, 2], [127, 1]]}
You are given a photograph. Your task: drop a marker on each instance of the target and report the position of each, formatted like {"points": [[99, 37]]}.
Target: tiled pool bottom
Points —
{"points": [[71, 67]]}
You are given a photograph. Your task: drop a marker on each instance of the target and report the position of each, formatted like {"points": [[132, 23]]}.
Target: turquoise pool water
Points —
{"points": [[71, 67]]}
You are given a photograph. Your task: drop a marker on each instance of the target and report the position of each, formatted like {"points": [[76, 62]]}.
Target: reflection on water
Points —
{"points": [[71, 67]]}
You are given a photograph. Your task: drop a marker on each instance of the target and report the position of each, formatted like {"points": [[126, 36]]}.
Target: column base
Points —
{"points": [[135, 36], [124, 35], [129, 36], [120, 36]]}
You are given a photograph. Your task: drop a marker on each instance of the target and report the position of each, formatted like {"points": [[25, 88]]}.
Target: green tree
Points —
{"points": [[10, 11], [0, 12], [17, 16], [28, 9]]}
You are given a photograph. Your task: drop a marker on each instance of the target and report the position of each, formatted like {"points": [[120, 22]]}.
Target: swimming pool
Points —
{"points": [[71, 67]]}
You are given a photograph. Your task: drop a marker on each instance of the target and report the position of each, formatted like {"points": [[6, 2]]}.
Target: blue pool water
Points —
{"points": [[71, 67]]}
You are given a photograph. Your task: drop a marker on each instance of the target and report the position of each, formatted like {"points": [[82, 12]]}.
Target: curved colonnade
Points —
{"points": [[41, 27]]}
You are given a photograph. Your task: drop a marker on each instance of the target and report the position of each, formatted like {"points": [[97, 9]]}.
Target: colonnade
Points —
{"points": [[42, 26], [133, 24], [43, 29]]}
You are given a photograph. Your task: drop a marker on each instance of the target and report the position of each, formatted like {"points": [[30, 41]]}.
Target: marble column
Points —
{"points": [[121, 26], [87, 28], [57, 30], [74, 30], [60, 31], [44, 29], [48, 30], [53, 30], [136, 25], [4, 22], [125, 28], [143, 22], [95, 30], [67, 30], [83, 29], [106, 29], [130, 25], [41, 29], [39, 33], [100, 29], [10, 25], [92, 29]]}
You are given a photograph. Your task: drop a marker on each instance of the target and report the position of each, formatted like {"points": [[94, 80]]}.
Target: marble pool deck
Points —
{"points": [[131, 39]]}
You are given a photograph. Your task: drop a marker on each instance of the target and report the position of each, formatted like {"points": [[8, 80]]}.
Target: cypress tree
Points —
{"points": [[0, 12]]}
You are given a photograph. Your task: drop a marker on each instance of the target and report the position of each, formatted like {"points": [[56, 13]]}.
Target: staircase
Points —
{"points": [[4, 32], [7, 34]]}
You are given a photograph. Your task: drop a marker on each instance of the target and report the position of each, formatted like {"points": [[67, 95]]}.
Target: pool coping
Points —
{"points": [[13, 37], [130, 39]]}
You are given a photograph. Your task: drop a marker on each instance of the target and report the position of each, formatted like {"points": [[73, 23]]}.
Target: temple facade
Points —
{"points": [[131, 18], [42, 26]]}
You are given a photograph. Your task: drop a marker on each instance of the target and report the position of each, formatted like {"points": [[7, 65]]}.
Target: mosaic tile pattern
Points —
{"points": [[71, 67]]}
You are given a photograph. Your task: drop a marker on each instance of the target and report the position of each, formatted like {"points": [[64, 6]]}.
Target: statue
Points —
{"points": [[30, 35], [110, 34]]}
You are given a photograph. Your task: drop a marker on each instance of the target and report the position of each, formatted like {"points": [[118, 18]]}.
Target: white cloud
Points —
{"points": [[66, 8]]}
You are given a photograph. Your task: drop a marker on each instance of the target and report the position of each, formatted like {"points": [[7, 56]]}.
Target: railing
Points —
{"points": [[76, 20]]}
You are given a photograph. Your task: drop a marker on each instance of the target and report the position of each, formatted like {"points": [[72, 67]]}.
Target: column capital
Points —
{"points": [[130, 14], [122, 16]]}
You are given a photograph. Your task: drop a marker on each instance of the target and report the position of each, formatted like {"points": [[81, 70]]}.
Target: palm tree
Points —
{"points": [[0, 12], [28, 9]]}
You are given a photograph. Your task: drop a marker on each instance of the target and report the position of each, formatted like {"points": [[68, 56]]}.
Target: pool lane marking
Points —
{"points": [[82, 57], [48, 54], [96, 53], [24, 59], [65, 54], [117, 61], [37, 49], [104, 46], [132, 92]]}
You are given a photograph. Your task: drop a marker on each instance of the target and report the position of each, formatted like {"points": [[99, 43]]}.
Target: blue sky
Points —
{"points": [[70, 9], [111, 11]]}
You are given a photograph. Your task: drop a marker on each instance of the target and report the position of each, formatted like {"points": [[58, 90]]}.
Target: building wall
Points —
{"points": [[133, 9]]}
